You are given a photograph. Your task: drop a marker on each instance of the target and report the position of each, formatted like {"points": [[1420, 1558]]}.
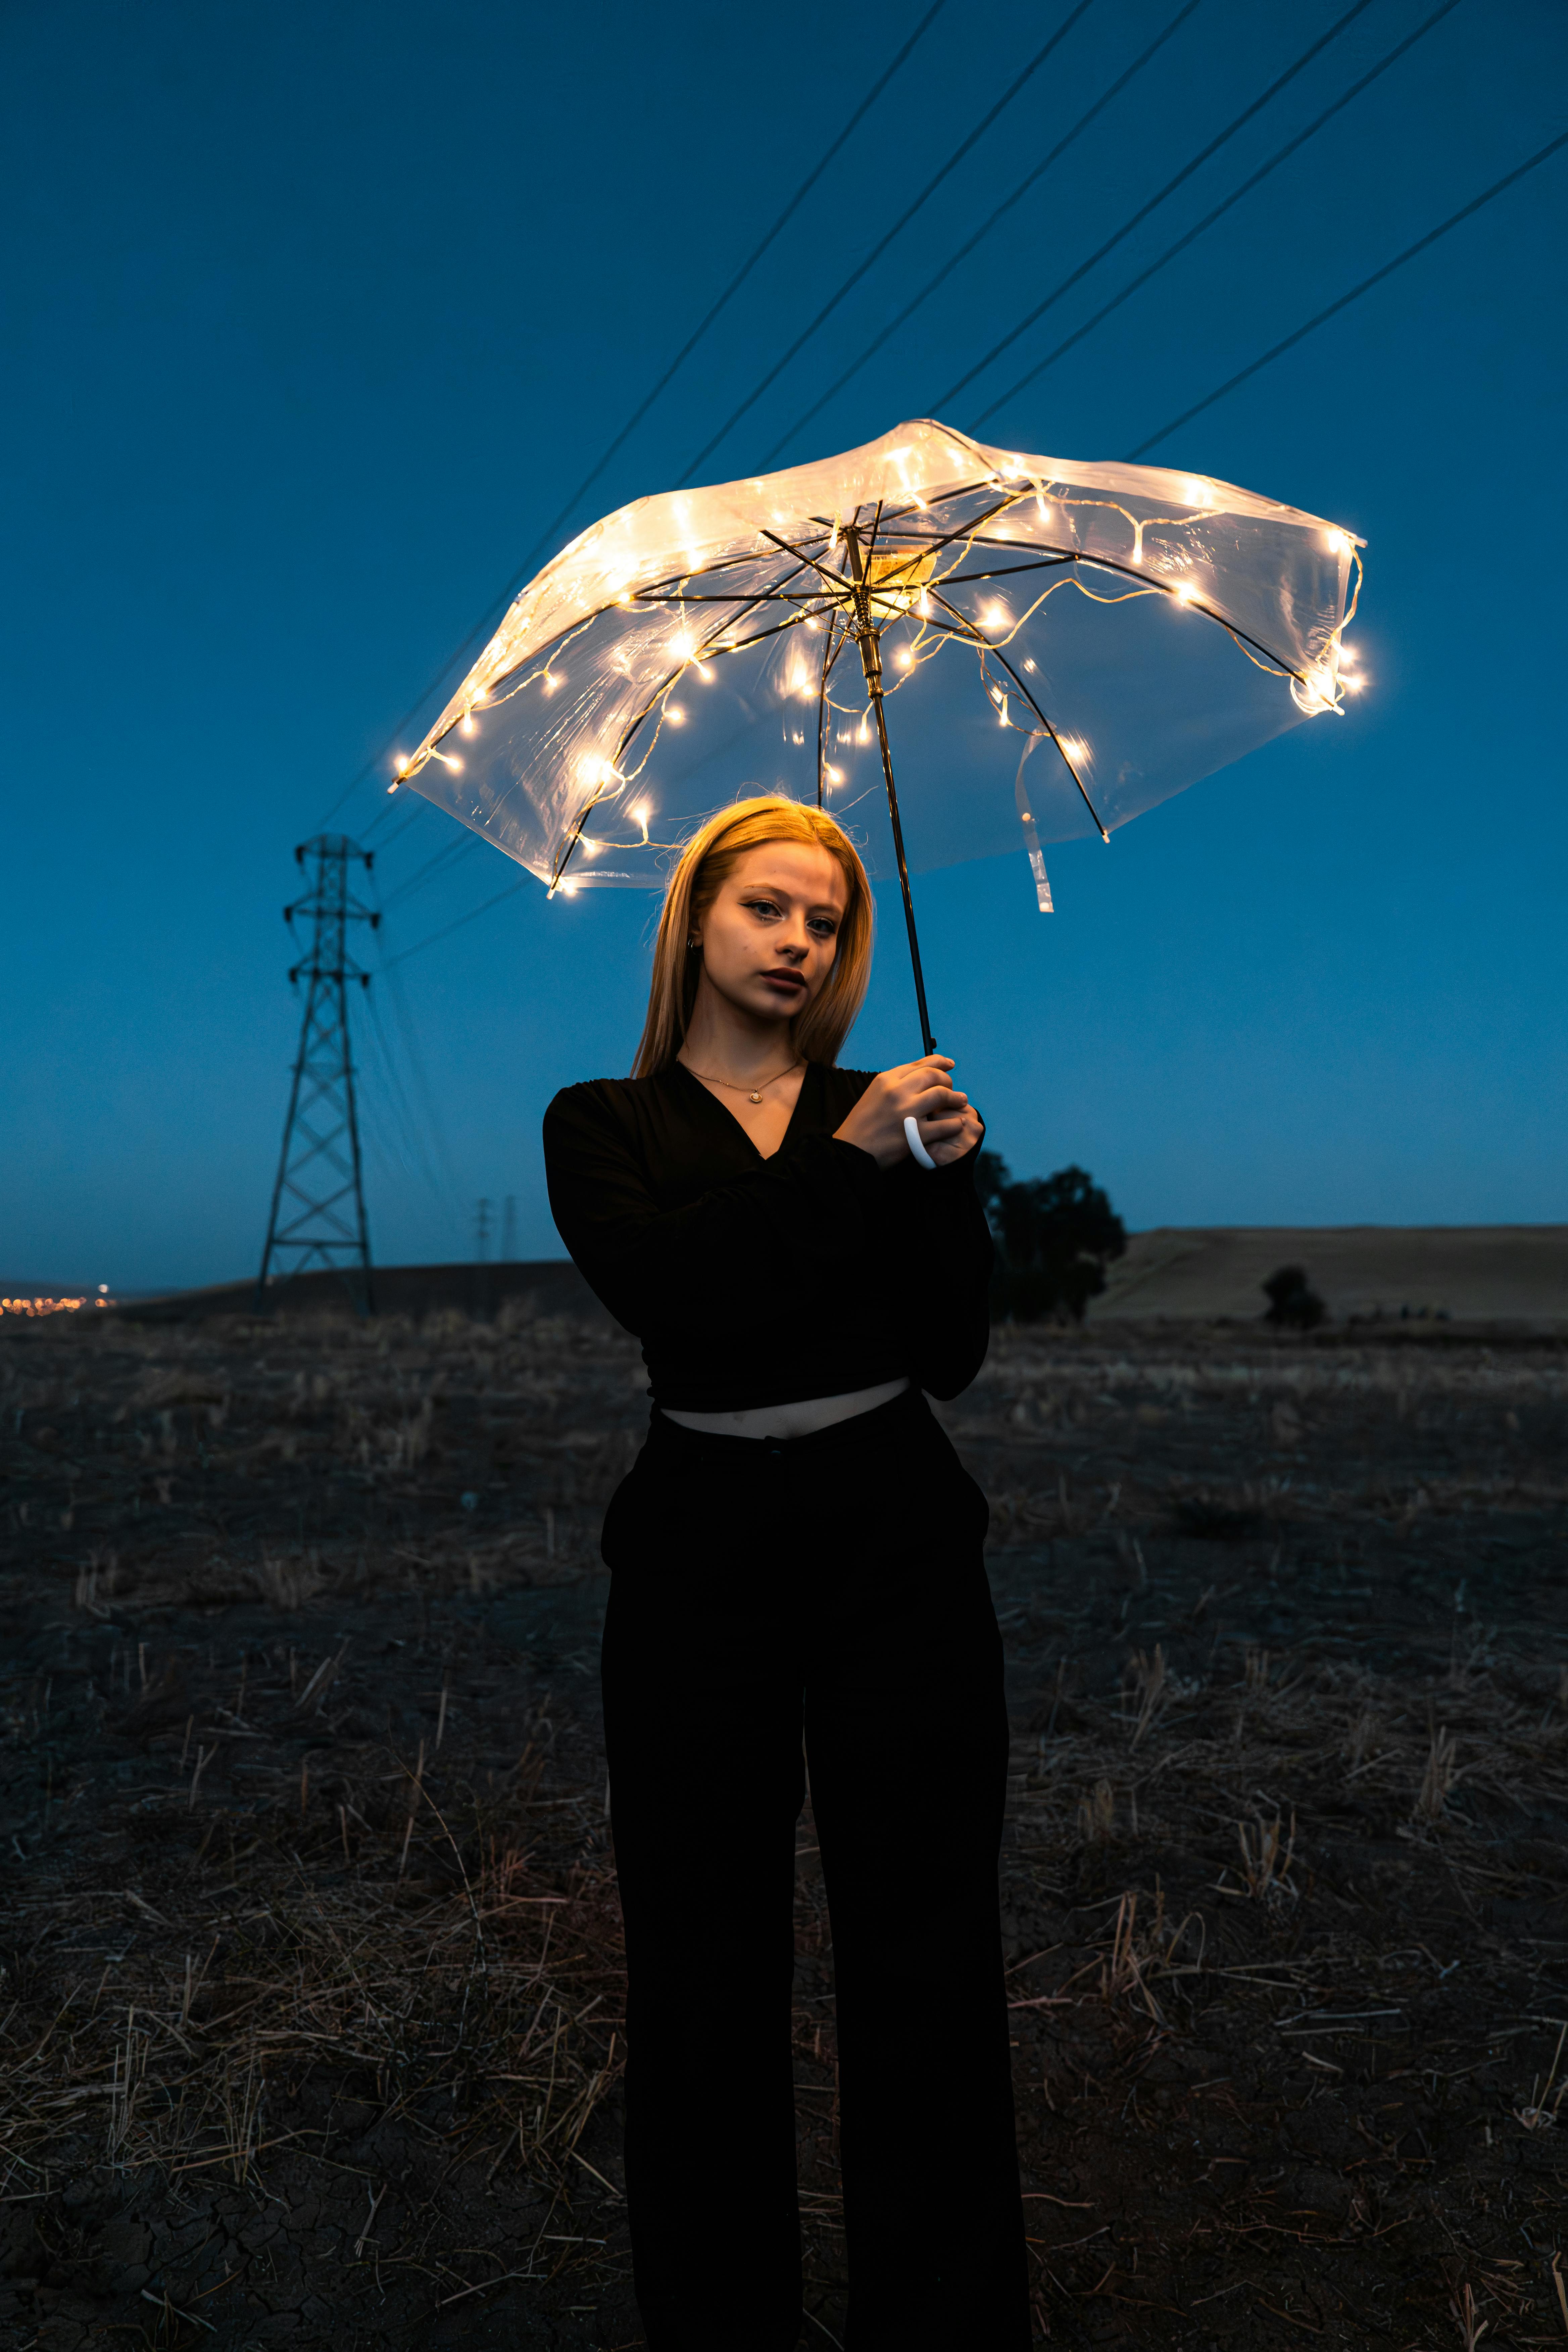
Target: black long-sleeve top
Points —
{"points": [[754, 1281]]}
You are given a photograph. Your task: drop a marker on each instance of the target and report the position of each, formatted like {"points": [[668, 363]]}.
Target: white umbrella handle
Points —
{"points": [[918, 1152]]}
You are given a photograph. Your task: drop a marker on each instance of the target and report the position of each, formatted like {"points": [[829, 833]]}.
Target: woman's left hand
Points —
{"points": [[946, 1149]]}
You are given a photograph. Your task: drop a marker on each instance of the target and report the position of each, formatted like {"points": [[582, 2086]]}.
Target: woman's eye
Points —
{"points": [[822, 926], [762, 906]]}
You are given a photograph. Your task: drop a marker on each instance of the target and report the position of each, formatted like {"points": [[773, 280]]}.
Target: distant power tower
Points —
{"points": [[482, 1232], [318, 1202]]}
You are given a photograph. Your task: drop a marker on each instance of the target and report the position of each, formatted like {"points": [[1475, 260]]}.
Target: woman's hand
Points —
{"points": [[948, 1125]]}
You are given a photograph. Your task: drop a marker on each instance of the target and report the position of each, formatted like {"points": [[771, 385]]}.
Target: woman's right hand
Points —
{"points": [[915, 1089]]}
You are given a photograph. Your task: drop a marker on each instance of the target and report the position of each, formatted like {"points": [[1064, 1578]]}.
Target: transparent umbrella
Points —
{"points": [[958, 650]]}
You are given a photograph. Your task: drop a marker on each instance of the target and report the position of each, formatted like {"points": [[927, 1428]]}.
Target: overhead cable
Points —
{"points": [[1355, 293], [984, 231], [451, 853], [734, 286], [525, 571], [447, 929], [1454, 221], [1144, 210], [1283, 154], [931, 185]]}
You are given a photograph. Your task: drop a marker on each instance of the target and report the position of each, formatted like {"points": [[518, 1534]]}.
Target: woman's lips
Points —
{"points": [[791, 980]]}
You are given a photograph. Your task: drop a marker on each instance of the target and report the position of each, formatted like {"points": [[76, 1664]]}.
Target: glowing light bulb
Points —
{"points": [[996, 616], [906, 658], [1184, 591], [684, 649], [834, 775], [1347, 653], [922, 605], [1001, 710], [674, 713], [1043, 507], [641, 813], [403, 763], [813, 624], [1353, 685], [1336, 542], [467, 724], [570, 889], [552, 679]]}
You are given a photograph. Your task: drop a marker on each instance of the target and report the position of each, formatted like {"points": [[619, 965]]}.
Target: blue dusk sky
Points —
{"points": [[316, 316]]}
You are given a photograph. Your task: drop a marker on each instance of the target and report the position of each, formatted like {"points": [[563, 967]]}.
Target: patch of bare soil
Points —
{"points": [[312, 1994]]}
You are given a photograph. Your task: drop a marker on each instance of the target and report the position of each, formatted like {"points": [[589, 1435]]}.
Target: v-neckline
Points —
{"points": [[739, 1125]]}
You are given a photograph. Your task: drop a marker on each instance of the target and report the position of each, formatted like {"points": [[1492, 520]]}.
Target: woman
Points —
{"points": [[798, 1548]]}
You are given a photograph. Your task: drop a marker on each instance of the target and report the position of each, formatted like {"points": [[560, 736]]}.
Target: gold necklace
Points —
{"points": [[752, 1094]]}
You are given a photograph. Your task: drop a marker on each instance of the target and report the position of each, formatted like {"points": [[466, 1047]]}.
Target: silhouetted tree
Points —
{"points": [[1054, 1237], [1292, 1301]]}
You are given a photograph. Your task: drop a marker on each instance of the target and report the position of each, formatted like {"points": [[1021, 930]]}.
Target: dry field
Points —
{"points": [[309, 2021]]}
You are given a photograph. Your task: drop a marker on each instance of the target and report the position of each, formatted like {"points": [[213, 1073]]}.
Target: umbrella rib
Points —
{"points": [[1008, 572], [837, 584], [629, 737], [968, 634]]}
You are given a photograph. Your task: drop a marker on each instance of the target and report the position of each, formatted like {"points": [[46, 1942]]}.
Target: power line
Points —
{"points": [[526, 570], [409, 1041], [931, 185], [964, 250], [420, 945], [1355, 293], [450, 853], [1209, 219], [1144, 211], [740, 278]]}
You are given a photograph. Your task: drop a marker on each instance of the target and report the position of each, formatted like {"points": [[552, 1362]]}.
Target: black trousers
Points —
{"points": [[834, 1585]]}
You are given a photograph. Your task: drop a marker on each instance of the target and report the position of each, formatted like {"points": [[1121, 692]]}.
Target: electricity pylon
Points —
{"points": [[318, 1202]]}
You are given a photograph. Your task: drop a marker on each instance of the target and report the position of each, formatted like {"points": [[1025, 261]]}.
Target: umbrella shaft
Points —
{"points": [[871, 663]]}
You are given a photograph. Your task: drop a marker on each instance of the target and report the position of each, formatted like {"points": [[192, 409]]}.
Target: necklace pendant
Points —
{"points": [[753, 1096]]}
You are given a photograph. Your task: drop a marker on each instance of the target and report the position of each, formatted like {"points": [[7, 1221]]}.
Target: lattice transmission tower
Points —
{"points": [[318, 1202]]}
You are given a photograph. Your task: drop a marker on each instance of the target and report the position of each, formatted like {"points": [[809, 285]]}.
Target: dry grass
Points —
{"points": [[317, 1917], [473, 1996]]}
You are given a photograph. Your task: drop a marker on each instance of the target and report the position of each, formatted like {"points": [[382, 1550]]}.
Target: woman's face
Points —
{"points": [[769, 937]]}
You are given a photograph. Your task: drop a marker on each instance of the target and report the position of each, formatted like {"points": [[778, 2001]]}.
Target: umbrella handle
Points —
{"points": [[918, 1152]]}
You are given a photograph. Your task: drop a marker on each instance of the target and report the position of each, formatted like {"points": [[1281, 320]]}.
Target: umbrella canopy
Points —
{"points": [[1059, 647]]}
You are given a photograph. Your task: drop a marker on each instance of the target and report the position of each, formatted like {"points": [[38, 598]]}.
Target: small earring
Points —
{"points": [[690, 944]]}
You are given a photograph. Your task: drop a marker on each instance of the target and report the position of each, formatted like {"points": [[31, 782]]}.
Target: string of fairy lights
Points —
{"points": [[895, 587]]}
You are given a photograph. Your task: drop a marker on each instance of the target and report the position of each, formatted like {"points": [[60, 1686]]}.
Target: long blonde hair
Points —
{"points": [[708, 860]]}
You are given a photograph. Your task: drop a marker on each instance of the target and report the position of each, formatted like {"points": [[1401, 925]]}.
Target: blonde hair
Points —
{"points": [[708, 860]]}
